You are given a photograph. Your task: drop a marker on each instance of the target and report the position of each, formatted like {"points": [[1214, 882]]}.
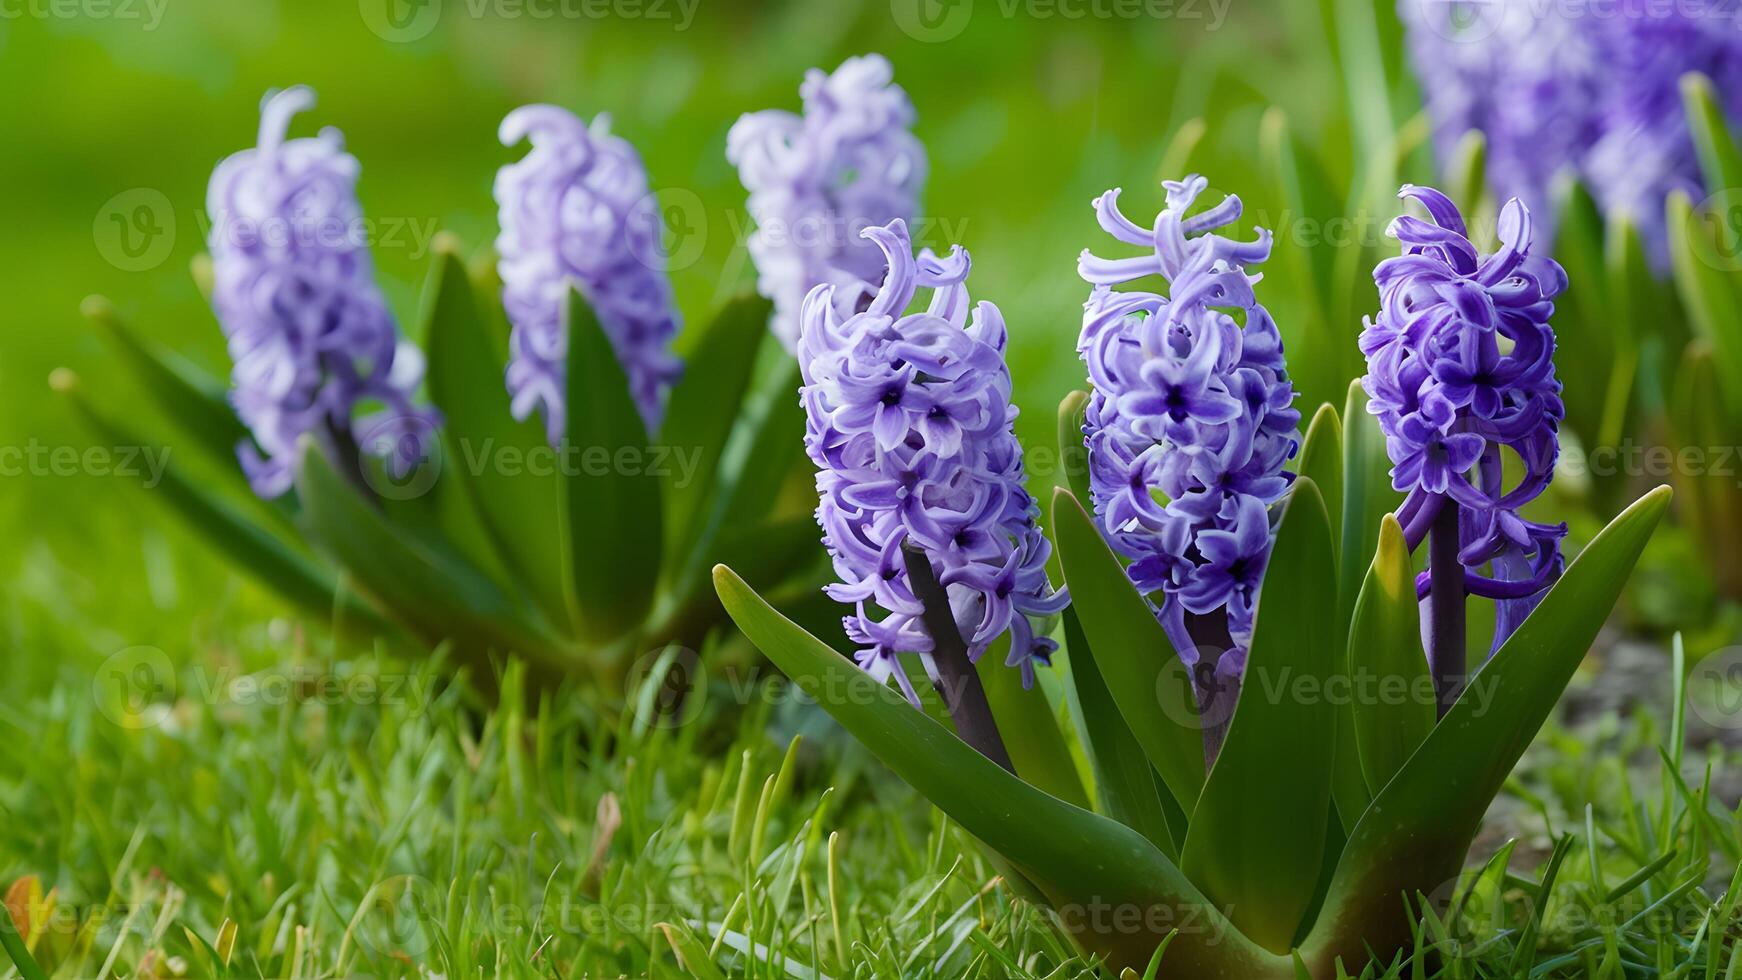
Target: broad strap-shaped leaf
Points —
{"points": [[1419, 827], [253, 551], [1151, 686], [1300, 266], [1124, 781], [507, 469], [1073, 453], [1636, 298], [1392, 702], [1257, 836], [1321, 461], [615, 516], [1706, 280], [192, 400], [1585, 305], [433, 592], [1082, 861], [1367, 497], [1467, 171], [704, 407], [769, 452], [1029, 728], [1709, 501], [1720, 157]]}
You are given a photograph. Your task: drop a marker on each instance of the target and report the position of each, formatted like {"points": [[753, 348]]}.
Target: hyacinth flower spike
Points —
{"points": [[1460, 375], [1188, 406], [1286, 851], [538, 518], [576, 212], [920, 480], [310, 335], [849, 162]]}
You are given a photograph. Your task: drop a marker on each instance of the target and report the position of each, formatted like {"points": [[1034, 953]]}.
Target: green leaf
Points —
{"points": [[704, 407], [1467, 171], [615, 516], [1124, 780], [1029, 728], [1386, 662], [1152, 688], [770, 452], [1720, 159], [1367, 497], [252, 550], [1710, 502], [1257, 835], [1074, 856], [1303, 264], [1706, 280], [494, 458], [1585, 305], [1636, 299], [190, 398], [1415, 835], [1321, 461], [1073, 454], [436, 594]]}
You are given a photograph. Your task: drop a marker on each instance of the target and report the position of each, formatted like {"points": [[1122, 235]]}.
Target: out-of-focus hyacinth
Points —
{"points": [[308, 330], [909, 424], [1589, 89], [1190, 403], [817, 180], [1461, 368], [576, 212]]}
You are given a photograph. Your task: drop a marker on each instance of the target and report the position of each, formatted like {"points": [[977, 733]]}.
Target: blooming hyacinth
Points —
{"points": [[1595, 92], [1191, 416], [308, 330], [909, 424], [1459, 369], [817, 180], [576, 211]]}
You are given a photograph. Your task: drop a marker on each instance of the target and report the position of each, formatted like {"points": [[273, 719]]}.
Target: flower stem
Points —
{"points": [[958, 682], [1217, 694], [1445, 653]]}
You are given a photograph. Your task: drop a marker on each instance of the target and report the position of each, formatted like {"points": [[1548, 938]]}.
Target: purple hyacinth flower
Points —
{"points": [[909, 423], [817, 180], [576, 212], [1591, 90], [1191, 416], [294, 290], [1461, 373]]}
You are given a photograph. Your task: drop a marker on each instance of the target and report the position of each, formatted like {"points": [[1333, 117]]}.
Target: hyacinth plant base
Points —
{"points": [[1323, 822], [577, 565]]}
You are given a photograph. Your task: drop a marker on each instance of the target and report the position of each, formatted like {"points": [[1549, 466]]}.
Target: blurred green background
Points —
{"points": [[118, 110]]}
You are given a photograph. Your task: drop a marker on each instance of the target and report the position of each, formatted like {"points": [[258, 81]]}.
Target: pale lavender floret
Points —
{"points": [[309, 334], [909, 423], [1190, 404], [1591, 90], [1460, 375], [576, 212], [817, 180]]}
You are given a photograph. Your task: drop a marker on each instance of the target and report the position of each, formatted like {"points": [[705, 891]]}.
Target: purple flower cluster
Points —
{"points": [[817, 180], [309, 333], [1191, 417], [1461, 373], [576, 212], [1593, 91], [909, 424]]}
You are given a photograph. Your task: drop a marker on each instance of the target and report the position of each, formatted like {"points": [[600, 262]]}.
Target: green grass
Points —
{"points": [[268, 808]]}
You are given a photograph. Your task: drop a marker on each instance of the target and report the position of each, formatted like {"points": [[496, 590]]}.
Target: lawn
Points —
{"points": [[198, 778]]}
